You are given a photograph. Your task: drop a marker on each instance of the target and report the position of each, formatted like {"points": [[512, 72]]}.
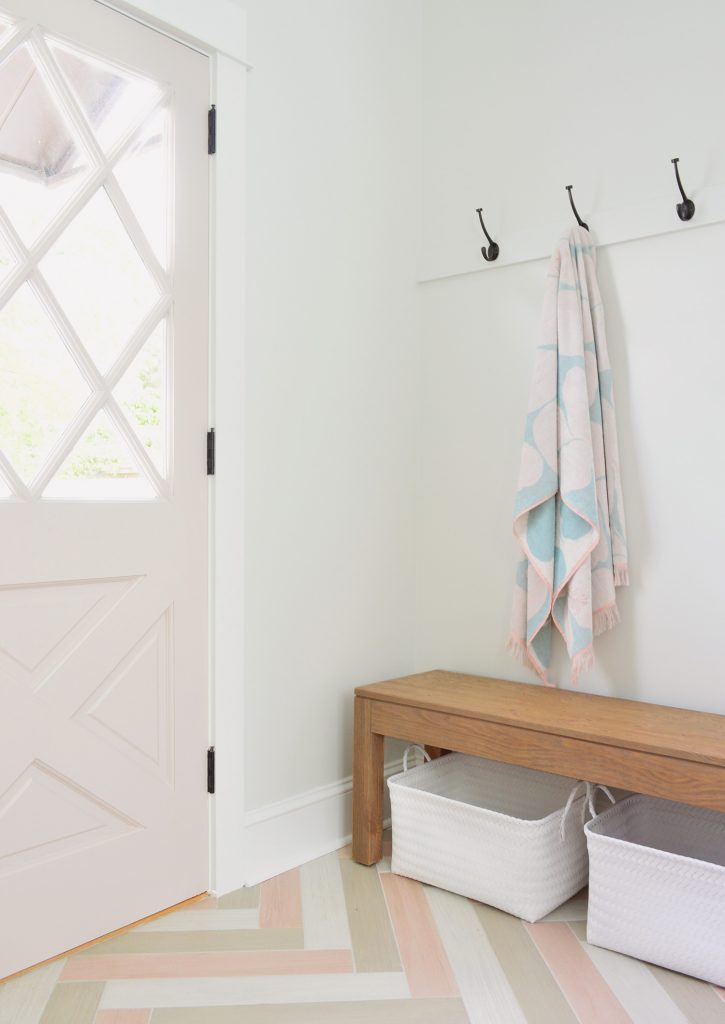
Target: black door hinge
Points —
{"points": [[212, 129], [210, 452], [210, 769]]}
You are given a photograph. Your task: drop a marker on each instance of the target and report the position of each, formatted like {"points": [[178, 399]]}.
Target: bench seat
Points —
{"points": [[668, 752]]}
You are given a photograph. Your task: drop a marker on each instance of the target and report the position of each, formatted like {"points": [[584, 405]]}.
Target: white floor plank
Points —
{"points": [[23, 999], [203, 920], [298, 988], [324, 913], [484, 988]]}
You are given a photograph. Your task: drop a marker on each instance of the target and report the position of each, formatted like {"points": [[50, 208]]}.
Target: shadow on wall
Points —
{"points": [[616, 651]]}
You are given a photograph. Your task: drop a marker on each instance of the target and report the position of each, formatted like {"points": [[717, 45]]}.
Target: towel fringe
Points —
{"points": [[604, 619], [582, 662], [517, 649], [621, 575]]}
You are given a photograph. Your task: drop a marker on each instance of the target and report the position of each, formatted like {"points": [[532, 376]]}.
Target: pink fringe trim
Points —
{"points": [[582, 662], [621, 575], [604, 619], [518, 649]]}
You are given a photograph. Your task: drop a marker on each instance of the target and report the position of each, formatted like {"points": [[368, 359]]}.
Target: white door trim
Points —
{"points": [[218, 29], [212, 28]]}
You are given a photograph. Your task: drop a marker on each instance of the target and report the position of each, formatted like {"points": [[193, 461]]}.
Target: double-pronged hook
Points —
{"points": [[685, 209], [579, 221], [492, 252]]}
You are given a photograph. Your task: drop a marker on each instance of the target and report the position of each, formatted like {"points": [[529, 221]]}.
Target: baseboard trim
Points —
{"points": [[291, 832]]}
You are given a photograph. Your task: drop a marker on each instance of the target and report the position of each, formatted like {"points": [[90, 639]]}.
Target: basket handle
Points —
{"points": [[414, 746], [590, 793], [592, 788]]}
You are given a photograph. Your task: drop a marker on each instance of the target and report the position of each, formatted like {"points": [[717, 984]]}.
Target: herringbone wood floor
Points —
{"points": [[336, 942]]}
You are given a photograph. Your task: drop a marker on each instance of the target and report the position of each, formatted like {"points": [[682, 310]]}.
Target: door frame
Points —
{"points": [[218, 30]]}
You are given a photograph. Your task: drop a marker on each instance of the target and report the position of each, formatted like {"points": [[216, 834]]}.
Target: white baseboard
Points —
{"points": [[291, 832]]}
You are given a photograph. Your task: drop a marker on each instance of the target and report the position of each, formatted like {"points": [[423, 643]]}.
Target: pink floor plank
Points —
{"points": [[424, 959], [589, 995], [721, 993], [123, 1017], [113, 967], [280, 903]]}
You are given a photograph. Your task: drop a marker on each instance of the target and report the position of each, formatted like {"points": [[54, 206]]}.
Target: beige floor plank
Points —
{"points": [[225, 940], [204, 920], [697, 1000], [241, 899], [531, 981], [373, 942], [389, 1011], [324, 913], [574, 909], [72, 1003], [23, 999], [123, 1017]]}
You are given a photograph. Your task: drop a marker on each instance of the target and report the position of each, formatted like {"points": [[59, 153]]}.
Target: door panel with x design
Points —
{"points": [[103, 492]]}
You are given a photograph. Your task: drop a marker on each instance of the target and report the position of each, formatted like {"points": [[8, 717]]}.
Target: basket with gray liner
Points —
{"points": [[493, 832], [657, 885]]}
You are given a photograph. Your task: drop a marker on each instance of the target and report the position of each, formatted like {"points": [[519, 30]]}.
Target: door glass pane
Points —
{"points": [[41, 166], [113, 100], [6, 260], [100, 466], [41, 388], [99, 280], [143, 174], [141, 393]]}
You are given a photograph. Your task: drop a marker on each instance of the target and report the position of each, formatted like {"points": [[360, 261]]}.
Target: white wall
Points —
{"points": [[519, 100], [382, 422], [329, 411]]}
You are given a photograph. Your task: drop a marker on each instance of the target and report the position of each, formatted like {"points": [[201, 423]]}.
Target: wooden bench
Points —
{"points": [[661, 751]]}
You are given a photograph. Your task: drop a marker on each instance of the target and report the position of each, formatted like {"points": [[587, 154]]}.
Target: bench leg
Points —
{"points": [[367, 787]]}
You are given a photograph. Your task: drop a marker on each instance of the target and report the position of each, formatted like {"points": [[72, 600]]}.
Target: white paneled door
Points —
{"points": [[103, 487]]}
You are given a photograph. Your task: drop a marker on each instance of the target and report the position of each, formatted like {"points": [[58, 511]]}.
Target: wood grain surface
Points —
{"points": [[674, 732]]}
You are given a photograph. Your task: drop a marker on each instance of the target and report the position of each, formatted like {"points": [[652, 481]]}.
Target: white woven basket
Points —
{"points": [[490, 831], [657, 885]]}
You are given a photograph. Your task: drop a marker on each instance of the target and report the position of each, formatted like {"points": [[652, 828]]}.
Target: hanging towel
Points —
{"points": [[569, 517]]}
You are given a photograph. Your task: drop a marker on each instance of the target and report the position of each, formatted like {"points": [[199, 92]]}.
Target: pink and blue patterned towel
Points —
{"points": [[569, 516]]}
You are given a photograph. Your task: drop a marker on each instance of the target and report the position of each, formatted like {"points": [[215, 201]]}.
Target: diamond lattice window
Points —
{"points": [[85, 224]]}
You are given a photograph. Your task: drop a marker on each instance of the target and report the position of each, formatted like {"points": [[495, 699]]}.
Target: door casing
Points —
{"points": [[219, 31]]}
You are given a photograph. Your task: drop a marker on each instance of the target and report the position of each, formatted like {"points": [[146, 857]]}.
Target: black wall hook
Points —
{"points": [[579, 221], [685, 209], [493, 250]]}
